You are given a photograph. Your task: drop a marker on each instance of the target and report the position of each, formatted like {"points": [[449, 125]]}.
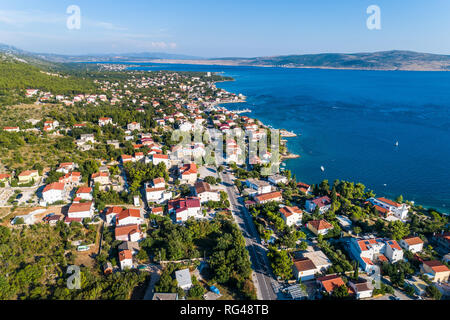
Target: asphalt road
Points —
{"points": [[263, 275]]}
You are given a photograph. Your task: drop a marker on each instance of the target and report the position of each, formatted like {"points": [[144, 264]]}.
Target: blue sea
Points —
{"points": [[349, 122]]}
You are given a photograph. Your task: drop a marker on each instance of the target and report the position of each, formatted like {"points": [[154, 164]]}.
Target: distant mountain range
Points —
{"points": [[383, 60]]}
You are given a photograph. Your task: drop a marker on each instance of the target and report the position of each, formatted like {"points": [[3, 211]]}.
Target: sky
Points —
{"points": [[211, 28]]}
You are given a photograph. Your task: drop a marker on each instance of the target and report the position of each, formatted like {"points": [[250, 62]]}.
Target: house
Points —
{"points": [[344, 222], [107, 268], [304, 269], [158, 158], [330, 283], [362, 288], [66, 167], [129, 245], [319, 259], [28, 176], [159, 183], [185, 208], [291, 215], [125, 259], [305, 188], [165, 296], [111, 214], [158, 195], [81, 210], [84, 193], [319, 226], [260, 186], [413, 244], [71, 178], [129, 216], [435, 270], [5, 177], [183, 279], [188, 173], [277, 178], [104, 121], [134, 126], [11, 129], [52, 220], [102, 178], [204, 192], [268, 197], [53, 192], [397, 209], [324, 203], [159, 211], [371, 250], [130, 232]]}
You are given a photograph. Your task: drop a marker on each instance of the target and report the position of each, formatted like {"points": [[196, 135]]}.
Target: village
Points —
{"points": [[147, 169]]}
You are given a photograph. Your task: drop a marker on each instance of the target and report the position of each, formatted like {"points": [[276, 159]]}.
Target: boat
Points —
{"points": [[322, 168], [396, 143]]}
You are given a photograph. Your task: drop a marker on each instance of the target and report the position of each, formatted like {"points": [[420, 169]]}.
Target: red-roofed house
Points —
{"points": [[436, 270], [81, 210], [413, 244], [130, 232], [188, 173], [324, 203], [185, 208], [157, 158], [129, 216], [291, 215], [104, 121], [268, 197], [399, 210], [84, 193], [319, 226], [125, 259], [53, 192], [330, 283], [111, 214]]}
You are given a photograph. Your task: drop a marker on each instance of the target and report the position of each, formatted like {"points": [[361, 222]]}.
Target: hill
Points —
{"points": [[383, 60]]}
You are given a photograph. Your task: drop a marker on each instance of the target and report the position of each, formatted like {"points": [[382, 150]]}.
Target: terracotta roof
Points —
{"points": [[304, 264], [436, 266], [331, 282], [125, 254], [113, 210], [413, 240], [157, 210], [303, 185], [158, 180], [322, 201], [320, 224], [389, 202], [54, 186], [84, 190], [160, 156], [393, 244], [289, 211], [80, 207], [268, 196], [126, 230], [136, 213], [202, 186], [190, 168], [4, 176], [99, 174], [27, 173], [154, 189]]}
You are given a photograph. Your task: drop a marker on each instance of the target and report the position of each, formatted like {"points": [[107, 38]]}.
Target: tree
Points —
{"points": [[357, 230], [340, 292], [433, 292], [398, 230], [281, 263], [399, 199]]}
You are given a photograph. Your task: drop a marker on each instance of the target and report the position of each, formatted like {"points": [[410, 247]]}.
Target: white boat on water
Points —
{"points": [[396, 143], [322, 168]]}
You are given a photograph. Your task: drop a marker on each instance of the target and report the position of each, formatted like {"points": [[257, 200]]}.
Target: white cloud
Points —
{"points": [[164, 45]]}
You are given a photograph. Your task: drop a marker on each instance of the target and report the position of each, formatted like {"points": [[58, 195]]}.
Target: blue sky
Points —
{"points": [[210, 28]]}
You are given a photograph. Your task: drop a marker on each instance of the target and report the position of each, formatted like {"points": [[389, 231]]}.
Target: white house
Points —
{"points": [[319, 226], [304, 269], [259, 185], [277, 178], [125, 259], [184, 279], [134, 126], [81, 210], [84, 193], [185, 208], [155, 194], [324, 204], [291, 215], [399, 210], [104, 121], [370, 251], [188, 173], [111, 214], [413, 244], [362, 288], [53, 192], [204, 192], [129, 216], [157, 158], [129, 232]]}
